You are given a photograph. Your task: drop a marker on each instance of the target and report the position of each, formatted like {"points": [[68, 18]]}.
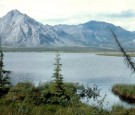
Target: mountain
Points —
{"points": [[20, 30], [98, 34], [17, 29]]}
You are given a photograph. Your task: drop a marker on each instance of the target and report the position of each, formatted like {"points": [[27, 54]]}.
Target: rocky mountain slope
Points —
{"points": [[20, 30]]}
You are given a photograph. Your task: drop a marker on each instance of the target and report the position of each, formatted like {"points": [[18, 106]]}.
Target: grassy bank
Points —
{"points": [[125, 91]]}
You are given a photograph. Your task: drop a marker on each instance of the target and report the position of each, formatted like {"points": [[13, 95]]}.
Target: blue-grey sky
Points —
{"points": [[118, 12]]}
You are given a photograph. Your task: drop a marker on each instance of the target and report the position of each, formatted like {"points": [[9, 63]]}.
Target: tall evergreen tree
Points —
{"points": [[56, 93], [58, 87], [4, 75]]}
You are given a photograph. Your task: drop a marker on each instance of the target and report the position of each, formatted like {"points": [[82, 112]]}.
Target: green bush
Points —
{"points": [[50, 97], [21, 92]]}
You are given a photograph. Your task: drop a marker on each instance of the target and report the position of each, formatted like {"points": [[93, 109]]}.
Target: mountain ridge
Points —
{"points": [[20, 30]]}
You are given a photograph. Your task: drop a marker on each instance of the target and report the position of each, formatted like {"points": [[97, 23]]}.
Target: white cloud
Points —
{"points": [[73, 11]]}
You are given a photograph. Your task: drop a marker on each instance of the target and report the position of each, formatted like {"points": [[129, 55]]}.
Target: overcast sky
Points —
{"points": [[118, 12]]}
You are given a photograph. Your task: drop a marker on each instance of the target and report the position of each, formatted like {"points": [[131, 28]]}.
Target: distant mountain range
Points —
{"points": [[20, 30]]}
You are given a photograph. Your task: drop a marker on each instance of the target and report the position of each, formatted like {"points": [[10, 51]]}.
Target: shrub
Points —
{"points": [[20, 92]]}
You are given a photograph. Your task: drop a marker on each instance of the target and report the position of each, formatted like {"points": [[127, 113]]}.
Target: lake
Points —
{"points": [[84, 68]]}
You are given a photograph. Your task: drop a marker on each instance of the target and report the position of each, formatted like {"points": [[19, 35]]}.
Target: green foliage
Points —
{"points": [[124, 90], [42, 94], [49, 97], [4, 75], [120, 110], [57, 87], [56, 94], [24, 92], [31, 100]]}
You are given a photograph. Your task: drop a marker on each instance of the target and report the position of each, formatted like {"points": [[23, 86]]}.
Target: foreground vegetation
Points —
{"points": [[27, 99], [125, 91]]}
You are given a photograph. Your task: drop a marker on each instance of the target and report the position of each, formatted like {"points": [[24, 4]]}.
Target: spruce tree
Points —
{"points": [[56, 91], [58, 85], [4, 75], [58, 95]]}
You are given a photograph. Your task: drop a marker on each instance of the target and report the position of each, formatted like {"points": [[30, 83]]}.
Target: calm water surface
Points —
{"points": [[85, 68]]}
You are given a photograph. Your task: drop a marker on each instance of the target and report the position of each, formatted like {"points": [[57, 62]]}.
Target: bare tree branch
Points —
{"points": [[128, 60]]}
